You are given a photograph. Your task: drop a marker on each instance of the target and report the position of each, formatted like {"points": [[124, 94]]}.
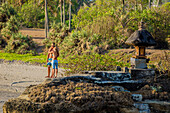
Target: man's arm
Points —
{"points": [[50, 50]]}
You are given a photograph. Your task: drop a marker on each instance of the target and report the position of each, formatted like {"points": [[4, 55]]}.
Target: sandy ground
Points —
{"points": [[14, 78]]}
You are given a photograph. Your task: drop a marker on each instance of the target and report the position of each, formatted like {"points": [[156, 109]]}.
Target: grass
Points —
{"points": [[76, 63], [23, 57]]}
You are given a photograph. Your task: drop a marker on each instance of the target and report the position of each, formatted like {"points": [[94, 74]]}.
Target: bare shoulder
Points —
{"points": [[50, 49]]}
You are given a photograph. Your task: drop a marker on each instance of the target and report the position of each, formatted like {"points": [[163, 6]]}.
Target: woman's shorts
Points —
{"points": [[49, 62]]}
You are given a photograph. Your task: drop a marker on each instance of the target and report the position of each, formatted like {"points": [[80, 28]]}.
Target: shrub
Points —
{"points": [[31, 15], [2, 42], [19, 44], [93, 62]]}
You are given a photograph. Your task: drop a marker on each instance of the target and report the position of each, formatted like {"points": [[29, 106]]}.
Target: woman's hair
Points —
{"points": [[56, 49]]}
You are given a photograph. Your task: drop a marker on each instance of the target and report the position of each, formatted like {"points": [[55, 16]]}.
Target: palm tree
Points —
{"points": [[136, 4], [70, 15], [63, 12], [123, 2], [46, 20], [149, 3]]}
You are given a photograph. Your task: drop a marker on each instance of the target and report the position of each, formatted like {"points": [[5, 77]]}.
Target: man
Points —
{"points": [[55, 62], [49, 58]]}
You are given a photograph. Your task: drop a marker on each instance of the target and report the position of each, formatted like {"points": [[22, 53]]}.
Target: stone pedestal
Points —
{"points": [[138, 63], [141, 73]]}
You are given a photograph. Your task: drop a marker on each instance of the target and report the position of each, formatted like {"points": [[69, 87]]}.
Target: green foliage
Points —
{"points": [[2, 42], [29, 57], [19, 44], [157, 23], [6, 11], [47, 42], [77, 63], [115, 26], [58, 32], [160, 63], [31, 15]]}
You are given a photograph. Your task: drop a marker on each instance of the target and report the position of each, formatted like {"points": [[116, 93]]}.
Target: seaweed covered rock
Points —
{"points": [[75, 97], [154, 92]]}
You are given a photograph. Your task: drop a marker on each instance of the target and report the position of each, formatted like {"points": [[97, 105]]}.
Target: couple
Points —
{"points": [[53, 53]]}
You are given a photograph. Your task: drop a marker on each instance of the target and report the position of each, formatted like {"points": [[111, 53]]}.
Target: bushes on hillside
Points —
{"points": [[19, 44], [2, 42], [6, 11], [115, 25], [58, 32], [11, 26], [10, 39], [31, 16], [78, 63]]}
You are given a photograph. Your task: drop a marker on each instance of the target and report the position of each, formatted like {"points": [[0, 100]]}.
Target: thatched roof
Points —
{"points": [[141, 38]]}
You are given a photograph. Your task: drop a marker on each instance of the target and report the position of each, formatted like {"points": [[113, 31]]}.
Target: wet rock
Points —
{"points": [[137, 97]]}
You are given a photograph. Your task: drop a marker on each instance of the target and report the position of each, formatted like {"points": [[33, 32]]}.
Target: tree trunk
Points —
{"points": [[142, 5], [123, 2], [158, 3], [70, 15], [63, 12], [136, 5], [46, 20], [149, 3]]}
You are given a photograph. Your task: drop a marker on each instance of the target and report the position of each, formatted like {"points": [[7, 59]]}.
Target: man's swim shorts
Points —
{"points": [[55, 64]]}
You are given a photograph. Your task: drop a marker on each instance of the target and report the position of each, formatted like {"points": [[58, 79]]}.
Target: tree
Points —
{"points": [[46, 20], [149, 3], [63, 12], [70, 15], [123, 2]]}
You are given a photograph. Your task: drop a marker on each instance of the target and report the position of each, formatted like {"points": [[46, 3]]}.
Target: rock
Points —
{"points": [[118, 68], [141, 73], [129, 110], [73, 97], [137, 97], [158, 106]]}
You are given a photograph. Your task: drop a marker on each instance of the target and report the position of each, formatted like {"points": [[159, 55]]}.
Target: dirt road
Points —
{"points": [[38, 36]]}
